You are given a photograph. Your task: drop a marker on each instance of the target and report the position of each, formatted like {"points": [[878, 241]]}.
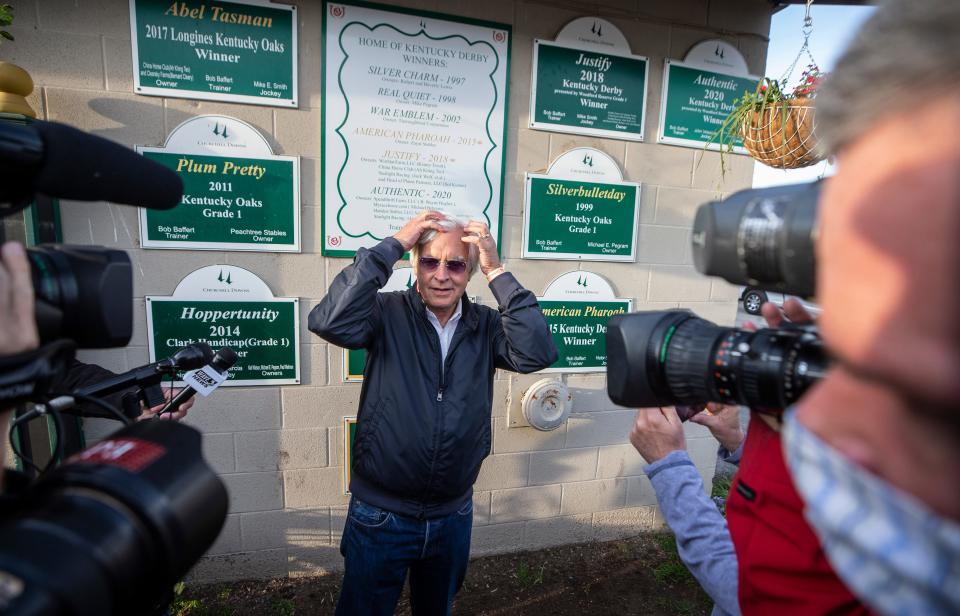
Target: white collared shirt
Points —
{"points": [[446, 331]]}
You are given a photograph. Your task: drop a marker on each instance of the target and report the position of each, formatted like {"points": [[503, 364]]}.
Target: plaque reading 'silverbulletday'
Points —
{"points": [[236, 194], [414, 117], [699, 93], [243, 51], [228, 306], [587, 82], [577, 306], [581, 209]]}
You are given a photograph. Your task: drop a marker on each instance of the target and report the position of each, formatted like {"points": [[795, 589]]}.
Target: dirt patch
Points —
{"points": [[639, 575]]}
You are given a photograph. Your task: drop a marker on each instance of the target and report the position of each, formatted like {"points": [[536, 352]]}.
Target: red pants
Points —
{"points": [[783, 569]]}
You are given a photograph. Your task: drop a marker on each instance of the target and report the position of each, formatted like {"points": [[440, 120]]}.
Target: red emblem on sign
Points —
{"points": [[130, 454], [333, 240], [336, 10], [499, 36]]}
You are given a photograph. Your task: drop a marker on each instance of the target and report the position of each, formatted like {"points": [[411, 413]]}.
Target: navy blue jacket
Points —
{"points": [[423, 429]]}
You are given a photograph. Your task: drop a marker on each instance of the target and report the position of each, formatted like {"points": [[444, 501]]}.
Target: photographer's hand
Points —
{"points": [[657, 432], [18, 326], [792, 312], [723, 420], [168, 395]]}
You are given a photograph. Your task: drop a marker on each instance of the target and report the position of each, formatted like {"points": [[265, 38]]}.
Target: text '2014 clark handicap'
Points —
{"points": [[215, 50]]}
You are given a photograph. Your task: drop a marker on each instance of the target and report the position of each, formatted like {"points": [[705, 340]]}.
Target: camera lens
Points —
{"points": [[760, 237], [83, 293], [673, 357]]}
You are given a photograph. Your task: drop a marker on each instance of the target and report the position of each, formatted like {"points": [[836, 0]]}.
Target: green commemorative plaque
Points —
{"points": [[228, 306], [699, 94], [237, 195], [240, 52], [588, 92], [577, 306], [581, 209]]}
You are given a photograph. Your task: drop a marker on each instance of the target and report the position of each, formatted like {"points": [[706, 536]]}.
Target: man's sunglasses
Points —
{"points": [[430, 264]]}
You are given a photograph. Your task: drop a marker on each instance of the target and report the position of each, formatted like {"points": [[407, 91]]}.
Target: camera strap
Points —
{"points": [[27, 376]]}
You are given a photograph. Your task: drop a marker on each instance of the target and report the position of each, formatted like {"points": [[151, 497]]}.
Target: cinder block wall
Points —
{"points": [[279, 449]]}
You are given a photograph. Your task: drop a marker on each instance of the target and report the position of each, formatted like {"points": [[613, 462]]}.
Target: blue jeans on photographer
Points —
{"points": [[380, 546]]}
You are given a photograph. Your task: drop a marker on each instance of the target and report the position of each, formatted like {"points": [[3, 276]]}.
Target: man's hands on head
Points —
{"points": [[18, 326], [478, 234], [416, 226], [657, 432]]}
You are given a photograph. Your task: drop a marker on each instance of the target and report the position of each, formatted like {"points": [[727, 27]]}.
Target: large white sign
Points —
{"points": [[414, 118]]}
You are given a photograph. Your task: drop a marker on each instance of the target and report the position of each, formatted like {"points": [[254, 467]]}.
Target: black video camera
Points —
{"points": [[117, 525], [763, 238]]}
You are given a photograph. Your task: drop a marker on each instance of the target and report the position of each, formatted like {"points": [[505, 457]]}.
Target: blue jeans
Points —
{"points": [[380, 546]]}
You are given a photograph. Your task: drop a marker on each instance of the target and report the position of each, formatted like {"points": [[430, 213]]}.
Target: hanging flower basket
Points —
{"points": [[782, 135], [777, 128]]}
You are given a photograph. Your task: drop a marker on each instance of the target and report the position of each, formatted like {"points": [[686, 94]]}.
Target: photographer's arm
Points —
{"points": [[703, 540], [18, 329]]}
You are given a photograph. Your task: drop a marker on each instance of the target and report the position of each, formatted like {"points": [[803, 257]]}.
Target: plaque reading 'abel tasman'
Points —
{"points": [[588, 83], [414, 118], [239, 51]]}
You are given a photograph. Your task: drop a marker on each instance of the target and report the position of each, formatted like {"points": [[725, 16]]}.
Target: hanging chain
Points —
{"points": [[807, 30]]}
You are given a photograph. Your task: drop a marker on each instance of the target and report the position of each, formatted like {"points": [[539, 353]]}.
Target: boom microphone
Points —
{"points": [[222, 361], [60, 161]]}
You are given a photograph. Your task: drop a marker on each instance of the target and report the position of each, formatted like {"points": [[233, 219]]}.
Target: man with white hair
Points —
{"points": [[423, 426]]}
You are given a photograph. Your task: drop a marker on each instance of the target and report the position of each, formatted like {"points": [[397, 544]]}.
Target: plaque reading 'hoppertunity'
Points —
{"points": [[414, 118], [228, 306]]}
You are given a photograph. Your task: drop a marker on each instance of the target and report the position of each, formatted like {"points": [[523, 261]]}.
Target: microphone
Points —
{"points": [[202, 378], [60, 161], [189, 357]]}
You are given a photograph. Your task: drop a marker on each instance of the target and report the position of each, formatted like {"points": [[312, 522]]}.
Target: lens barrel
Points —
{"points": [[761, 238], [84, 293], [673, 357]]}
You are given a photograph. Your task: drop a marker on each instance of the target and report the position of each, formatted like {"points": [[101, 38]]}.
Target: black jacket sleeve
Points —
{"points": [[83, 375], [522, 340], [349, 315]]}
